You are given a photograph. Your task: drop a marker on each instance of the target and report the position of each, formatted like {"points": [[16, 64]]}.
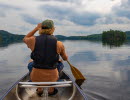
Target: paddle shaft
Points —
{"points": [[69, 63]]}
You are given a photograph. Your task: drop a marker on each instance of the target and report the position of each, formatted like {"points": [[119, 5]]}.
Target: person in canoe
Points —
{"points": [[45, 63]]}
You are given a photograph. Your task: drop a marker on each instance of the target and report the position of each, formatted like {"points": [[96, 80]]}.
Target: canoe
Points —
{"points": [[25, 90]]}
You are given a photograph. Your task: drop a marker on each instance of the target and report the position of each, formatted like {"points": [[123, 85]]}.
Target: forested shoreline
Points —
{"points": [[8, 38]]}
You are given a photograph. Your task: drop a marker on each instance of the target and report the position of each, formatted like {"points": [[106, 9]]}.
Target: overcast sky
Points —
{"points": [[71, 17]]}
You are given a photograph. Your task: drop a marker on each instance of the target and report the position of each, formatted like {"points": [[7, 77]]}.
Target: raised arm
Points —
{"points": [[30, 34], [29, 39], [61, 50]]}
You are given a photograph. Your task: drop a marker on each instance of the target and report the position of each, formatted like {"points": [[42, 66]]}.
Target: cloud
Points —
{"points": [[112, 19], [30, 19], [4, 8], [86, 18], [55, 0], [2, 14], [9, 7], [67, 1], [123, 10], [69, 13], [71, 17]]}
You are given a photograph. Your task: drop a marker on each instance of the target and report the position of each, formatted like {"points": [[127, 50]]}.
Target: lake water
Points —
{"points": [[107, 70]]}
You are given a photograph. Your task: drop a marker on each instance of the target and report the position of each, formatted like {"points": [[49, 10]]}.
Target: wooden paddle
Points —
{"points": [[76, 73]]}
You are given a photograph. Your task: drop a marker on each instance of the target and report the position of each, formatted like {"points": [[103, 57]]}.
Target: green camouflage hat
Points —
{"points": [[47, 24]]}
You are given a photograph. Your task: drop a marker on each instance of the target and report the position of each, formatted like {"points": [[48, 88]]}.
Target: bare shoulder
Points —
{"points": [[29, 39], [59, 43]]}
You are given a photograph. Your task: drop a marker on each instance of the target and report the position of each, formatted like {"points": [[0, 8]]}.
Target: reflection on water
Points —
{"points": [[113, 42], [107, 70]]}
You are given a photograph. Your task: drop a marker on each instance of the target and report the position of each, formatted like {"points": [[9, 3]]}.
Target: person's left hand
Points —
{"points": [[39, 25]]}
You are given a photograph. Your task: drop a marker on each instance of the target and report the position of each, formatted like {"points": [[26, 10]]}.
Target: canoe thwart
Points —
{"points": [[46, 86], [39, 83]]}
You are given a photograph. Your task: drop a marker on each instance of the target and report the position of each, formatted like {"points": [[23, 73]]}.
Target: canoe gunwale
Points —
{"points": [[81, 91], [14, 85]]}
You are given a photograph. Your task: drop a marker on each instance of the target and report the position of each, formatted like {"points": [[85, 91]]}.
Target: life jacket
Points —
{"points": [[45, 54]]}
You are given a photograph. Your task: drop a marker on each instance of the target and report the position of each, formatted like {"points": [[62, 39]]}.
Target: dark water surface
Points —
{"points": [[107, 70]]}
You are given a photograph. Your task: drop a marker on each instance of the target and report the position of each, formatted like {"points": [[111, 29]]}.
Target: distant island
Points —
{"points": [[7, 38]]}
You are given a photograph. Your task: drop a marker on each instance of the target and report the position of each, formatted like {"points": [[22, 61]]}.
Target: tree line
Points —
{"points": [[113, 37]]}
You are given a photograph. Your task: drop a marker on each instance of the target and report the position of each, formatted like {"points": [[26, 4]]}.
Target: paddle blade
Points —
{"points": [[79, 82], [77, 74]]}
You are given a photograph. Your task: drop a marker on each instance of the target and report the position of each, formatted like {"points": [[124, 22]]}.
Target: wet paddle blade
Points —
{"points": [[79, 82], [76, 73]]}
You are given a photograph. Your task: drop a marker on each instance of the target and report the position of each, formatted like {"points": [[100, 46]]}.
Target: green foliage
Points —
{"points": [[108, 37], [94, 37], [8, 38], [113, 37], [128, 35]]}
